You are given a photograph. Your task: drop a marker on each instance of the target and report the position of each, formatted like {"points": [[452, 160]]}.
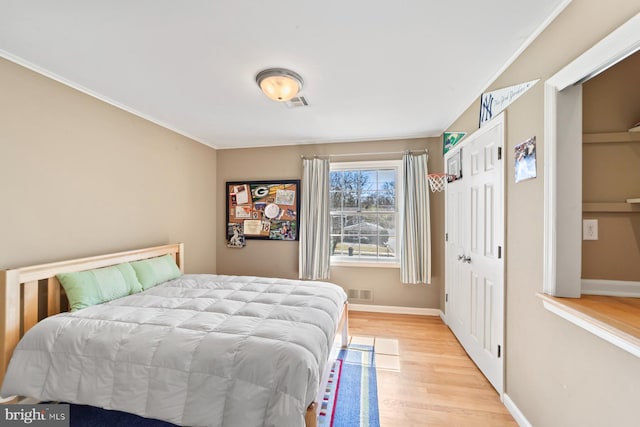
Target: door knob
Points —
{"points": [[466, 259], [460, 257]]}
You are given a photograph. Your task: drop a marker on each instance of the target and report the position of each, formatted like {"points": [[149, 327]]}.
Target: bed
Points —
{"points": [[192, 350]]}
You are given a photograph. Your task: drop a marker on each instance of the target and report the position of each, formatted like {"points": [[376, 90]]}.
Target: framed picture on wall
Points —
{"points": [[267, 210]]}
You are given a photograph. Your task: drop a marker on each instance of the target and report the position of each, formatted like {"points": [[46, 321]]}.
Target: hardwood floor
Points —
{"points": [[437, 384]]}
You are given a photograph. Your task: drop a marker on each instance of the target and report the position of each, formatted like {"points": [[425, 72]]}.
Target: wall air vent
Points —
{"points": [[297, 101], [360, 295]]}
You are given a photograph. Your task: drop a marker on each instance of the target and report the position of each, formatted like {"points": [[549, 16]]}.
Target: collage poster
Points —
{"points": [[262, 210]]}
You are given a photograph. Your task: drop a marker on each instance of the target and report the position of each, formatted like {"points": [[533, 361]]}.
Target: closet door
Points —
{"points": [[475, 250]]}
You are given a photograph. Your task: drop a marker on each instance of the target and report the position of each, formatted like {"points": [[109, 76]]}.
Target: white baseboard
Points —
{"points": [[515, 411], [394, 309], [443, 317], [613, 288]]}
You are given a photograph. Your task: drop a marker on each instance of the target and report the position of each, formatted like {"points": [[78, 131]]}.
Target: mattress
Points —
{"points": [[198, 350]]}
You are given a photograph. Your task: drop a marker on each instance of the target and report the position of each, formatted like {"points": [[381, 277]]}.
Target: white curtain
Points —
{"points": [[415, 249], [315, 221]]}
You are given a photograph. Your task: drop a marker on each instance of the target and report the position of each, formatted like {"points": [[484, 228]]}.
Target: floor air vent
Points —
{"points": [[360, 295]]}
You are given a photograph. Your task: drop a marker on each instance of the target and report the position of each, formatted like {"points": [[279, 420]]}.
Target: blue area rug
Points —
{"points": [[351, 398]]}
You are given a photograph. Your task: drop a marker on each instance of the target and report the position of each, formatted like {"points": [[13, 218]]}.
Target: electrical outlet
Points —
{"points": [[589, 229]]}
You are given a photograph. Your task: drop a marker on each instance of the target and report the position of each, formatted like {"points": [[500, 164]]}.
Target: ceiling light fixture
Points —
{"points": [[279, 84]]}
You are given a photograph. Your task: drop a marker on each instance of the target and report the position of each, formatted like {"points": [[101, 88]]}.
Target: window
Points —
{"points": [[364, 200]]}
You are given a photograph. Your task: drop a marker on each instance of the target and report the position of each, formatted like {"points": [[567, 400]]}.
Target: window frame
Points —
{"points": [[346, 261]]}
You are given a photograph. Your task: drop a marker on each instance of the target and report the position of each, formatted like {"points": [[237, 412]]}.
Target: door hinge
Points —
{"points": [[499, 153], [499, 252], [446, 237], [499, 351], [446, 297]]}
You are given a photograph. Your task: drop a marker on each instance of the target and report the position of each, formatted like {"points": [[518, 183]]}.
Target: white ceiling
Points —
{"points": [[373, 69]]}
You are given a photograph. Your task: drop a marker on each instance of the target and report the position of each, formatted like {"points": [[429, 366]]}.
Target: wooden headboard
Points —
{"points": [[29, 294]]}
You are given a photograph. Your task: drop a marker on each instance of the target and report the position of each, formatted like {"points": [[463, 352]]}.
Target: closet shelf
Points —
{"points": [[612, 207], [599, 138]]}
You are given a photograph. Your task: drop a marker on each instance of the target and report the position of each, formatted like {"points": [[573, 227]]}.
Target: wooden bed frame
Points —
{"points": [[30, 294]]}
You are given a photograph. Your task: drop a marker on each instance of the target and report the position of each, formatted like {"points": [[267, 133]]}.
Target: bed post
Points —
{"points": [[345, 326], [180, 257], [9, 316]]}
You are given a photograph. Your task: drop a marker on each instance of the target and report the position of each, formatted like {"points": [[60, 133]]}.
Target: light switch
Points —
{"points": [[589, 229]]}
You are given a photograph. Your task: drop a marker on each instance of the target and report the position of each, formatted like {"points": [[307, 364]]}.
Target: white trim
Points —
{"points": [[515, 412], [443, 317], [550, 168], [557, 11], [632, 345], [336, 261], [621, 43], [563, 191], [563, 162], [614, 288], [391, 309], [365, 164], [26, 64], [342, 260]]}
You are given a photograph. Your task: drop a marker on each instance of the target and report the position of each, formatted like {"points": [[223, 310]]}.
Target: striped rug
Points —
{"points": [[351, 398]]}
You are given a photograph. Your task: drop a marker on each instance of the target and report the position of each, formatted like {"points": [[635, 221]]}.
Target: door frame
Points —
{"points": [[496, 121]]}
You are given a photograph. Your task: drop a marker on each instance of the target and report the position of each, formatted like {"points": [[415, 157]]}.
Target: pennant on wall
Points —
{"points": [[492, 103], [449, 139]]}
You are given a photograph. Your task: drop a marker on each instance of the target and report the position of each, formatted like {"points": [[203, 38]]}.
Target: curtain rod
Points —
{"points": [[380, 153]]}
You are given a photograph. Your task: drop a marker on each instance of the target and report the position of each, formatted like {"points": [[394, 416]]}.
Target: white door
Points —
{"points": [[474, 249]]}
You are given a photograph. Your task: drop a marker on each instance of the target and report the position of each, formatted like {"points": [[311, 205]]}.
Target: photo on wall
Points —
{"points": [[235, 235], [525, 160]]}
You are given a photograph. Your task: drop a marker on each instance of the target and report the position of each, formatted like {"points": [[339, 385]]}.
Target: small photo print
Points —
{"points": [[525, 160], [285, 197], [283, 230], [252, 227], [235, 235], [242, 194], [243, 212]]}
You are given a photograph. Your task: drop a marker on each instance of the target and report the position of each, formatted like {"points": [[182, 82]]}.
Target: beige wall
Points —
{"points": [[556, 373], [612, 172], [280, 258], [79, 177]]}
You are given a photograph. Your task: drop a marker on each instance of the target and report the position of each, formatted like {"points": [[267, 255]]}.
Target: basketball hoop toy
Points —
{"points": [[437, 181]]}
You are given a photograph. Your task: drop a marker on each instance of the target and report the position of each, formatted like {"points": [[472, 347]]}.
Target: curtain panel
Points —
{"points": [[415, 249], [315, 222]]}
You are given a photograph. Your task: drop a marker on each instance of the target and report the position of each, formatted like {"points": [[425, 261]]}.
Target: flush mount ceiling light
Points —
{"points": [[279, 84]]}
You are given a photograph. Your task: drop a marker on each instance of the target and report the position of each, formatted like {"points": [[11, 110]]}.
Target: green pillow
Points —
{"points": [[91, 287], [154, 271]]}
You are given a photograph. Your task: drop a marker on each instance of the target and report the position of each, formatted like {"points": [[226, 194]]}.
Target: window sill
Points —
{"points": [[365, 264], [614, 319]]}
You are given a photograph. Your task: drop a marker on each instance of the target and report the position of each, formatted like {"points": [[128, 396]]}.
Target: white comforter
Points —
{"points": [[199, 350]]}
